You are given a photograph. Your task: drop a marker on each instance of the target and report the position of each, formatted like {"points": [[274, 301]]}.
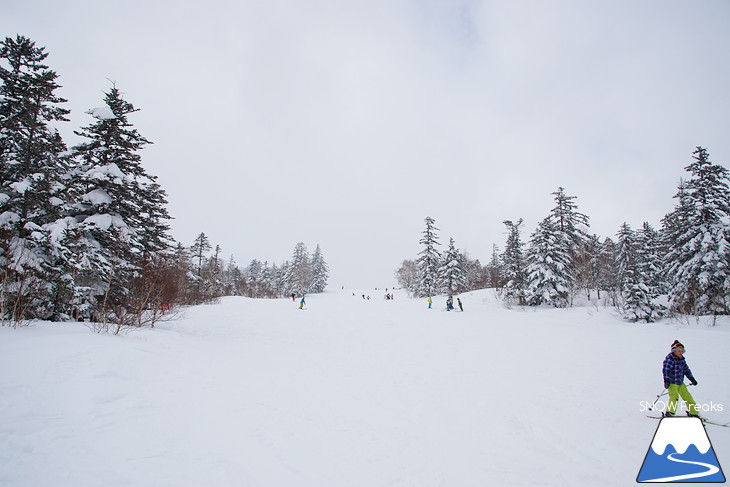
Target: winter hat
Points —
{"points": [[677, 345]]}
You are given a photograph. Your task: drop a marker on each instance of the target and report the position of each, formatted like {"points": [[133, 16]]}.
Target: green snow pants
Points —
{"points": [[676, 390]]}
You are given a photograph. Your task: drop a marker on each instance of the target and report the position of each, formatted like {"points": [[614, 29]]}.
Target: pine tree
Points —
{"points": [[699, 259], [320, 271], [121, 210], [428, 262], [198, 252], [513, 264], [299, 273], [452, 273], [549, 271], [36, 254], [114, 183], [495, 271], [607, 277], [554, 251]]}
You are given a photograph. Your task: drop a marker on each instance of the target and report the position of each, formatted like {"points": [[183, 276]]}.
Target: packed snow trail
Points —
{"points": [[352, 392]]}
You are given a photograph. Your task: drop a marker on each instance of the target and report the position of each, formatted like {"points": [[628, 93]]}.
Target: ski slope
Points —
{"points": [[347, 392]]}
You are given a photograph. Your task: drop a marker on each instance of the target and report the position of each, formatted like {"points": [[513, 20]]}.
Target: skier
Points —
{"points": [[430, 302], [449, 303], [674, 369], [302, 303], [461, 306]]}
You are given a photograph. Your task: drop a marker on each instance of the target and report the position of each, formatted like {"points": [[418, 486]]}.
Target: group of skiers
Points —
{"points": [[449, 303]]}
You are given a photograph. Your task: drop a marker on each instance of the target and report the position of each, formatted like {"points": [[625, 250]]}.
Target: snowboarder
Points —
{"points": [[302, 303], [675, 369], [430, 302], [449, 303], [461, 306]]}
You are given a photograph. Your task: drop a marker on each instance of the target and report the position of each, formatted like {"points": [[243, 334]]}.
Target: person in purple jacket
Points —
{"points": [[675, 369]]}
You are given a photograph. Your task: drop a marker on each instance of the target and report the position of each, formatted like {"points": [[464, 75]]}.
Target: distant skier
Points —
{"points": [[461, 306], [449, 303], [674, 370], [293, 297], [430, 302], [302, 303]]}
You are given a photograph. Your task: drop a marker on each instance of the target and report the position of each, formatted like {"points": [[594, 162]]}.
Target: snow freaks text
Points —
{"points": [[661, 406]]}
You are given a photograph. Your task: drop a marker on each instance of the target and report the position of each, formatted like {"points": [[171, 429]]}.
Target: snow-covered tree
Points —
{"points": [[298, 278], [553, 254], [452, 273], [513, 264], [121, 210], [549, 270], [698, 261], [320, 271], [407, 276], [494, 272], [429, 260], [36, 251], [199, 251]]}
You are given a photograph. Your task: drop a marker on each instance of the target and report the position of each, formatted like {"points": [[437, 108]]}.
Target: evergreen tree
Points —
{"points": [[495, 271], [121, 210], [553, 256], [198, 252], [452, 273], [699, 259], [299, 272], [607, 277], [513, 264], [36, 253], [429, 260], [320, 271], [549, 270]]}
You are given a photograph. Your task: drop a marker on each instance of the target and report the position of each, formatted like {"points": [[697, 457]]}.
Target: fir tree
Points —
{"points": [[36, 253], [452, 274], [549, 271], [699, 259], [198, 252], [299, 272], [513, 264], [320, 271], [553, 256], [429, 260]]}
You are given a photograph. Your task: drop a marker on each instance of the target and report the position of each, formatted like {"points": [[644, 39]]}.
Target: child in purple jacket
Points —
{"points": [[675, 369]]}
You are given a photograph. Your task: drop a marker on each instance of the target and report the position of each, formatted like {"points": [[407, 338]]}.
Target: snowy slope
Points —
{"points": [[348, 392]]}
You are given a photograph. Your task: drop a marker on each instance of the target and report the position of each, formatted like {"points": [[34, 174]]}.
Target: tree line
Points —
{"points": [[84, 230], [683, 267], [209, 277]]}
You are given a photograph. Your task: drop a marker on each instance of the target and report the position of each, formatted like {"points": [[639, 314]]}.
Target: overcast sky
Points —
{"points": [[347, 123]]}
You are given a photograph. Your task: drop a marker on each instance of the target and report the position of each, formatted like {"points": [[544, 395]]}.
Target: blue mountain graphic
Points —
{"points": [[669, 465]]}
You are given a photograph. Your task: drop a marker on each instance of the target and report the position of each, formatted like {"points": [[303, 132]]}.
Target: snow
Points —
{"points": [[347, 392], [101, 113], [98, 197]]}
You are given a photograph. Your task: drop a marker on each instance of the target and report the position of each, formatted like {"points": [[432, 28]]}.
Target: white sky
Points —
{"points": [[346, 123]]}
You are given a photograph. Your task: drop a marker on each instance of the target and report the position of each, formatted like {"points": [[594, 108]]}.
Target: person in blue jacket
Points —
{"points": [[302, 303], [674, 370]]}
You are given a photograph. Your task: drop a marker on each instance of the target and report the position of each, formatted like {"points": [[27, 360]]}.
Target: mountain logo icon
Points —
{"points": [[681, 452]]}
